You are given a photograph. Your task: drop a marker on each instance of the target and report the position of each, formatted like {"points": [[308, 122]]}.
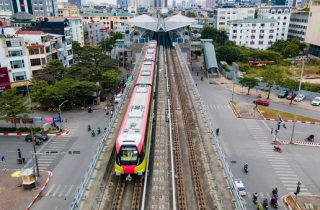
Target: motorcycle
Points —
{"points": [[265, 205], [310, 138], [277, 149], [90, 110], [99, 131], [217, 132], [274, 203], [89, 128], [246, 169], [255, 198], [93, 134]]}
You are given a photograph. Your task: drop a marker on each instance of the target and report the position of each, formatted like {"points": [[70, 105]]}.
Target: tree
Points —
{"points": [[76, 48], [54, 71], [39, 91], [219, 37], [13, 106], [272, 76], [249, 82], [190, 14], [106, 45], [291, 51], [110, 78], [116, 35], [290, 84], [266, 55], [228, 53]]}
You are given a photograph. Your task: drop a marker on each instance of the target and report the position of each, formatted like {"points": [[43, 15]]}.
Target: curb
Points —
{"points": [[235, 110], [24, 134], [302, 143], [40, 191], [305, 122], [286, 202]]}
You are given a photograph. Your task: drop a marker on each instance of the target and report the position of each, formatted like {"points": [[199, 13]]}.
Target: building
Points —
{"points": [[5, 8], [14, 56], [160, 3], [313, 31], [78, 3], [38, 8], [253, 33], [223, 14], [92, 35], [109, 20], [298, 25], [68, 10], [281, 14]]}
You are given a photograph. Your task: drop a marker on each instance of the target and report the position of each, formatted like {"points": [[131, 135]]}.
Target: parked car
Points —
{"points": [[283, 94], [37, 136], [117, 98], [299, 97], [291, 95], [261, 102], [240, 186], [316, 101]]}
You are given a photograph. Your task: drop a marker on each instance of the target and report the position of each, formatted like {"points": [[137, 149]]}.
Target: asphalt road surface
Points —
{"points": [[247, 141]]}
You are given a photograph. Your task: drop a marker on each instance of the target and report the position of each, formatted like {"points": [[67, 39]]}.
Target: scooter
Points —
{"points": [[246, 169], [277, 149], [265, 205], [99, 131], [89, 128], [310, 138], [255, 199], [93, 134]]}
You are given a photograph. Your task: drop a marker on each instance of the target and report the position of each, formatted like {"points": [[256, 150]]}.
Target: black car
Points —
{"points": [[37, 136], [283, 94]]}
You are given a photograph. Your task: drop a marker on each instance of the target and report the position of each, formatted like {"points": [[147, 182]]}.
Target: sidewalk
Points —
{"points": [[13, 197]]}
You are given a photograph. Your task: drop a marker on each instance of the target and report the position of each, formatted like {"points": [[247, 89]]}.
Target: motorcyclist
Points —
{"points": [[274, 200], [265, 202], [275, 191], [92, 132], [255, 196], [98, 130], [246, 166], [217, 131], [277, 147], [259, 207], [201, 78], [89, 127]]}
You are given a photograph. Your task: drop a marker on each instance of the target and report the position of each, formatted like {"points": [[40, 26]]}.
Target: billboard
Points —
{"points": [[4, 79]]}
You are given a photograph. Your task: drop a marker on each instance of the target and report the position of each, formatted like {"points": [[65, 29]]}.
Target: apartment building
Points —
{"points": [[281, 14], [35, 7], [313, 31], [222, 15], [253, 33], [68, 10], [298, 25], [92, 34], [109, 20], [14, 56]]}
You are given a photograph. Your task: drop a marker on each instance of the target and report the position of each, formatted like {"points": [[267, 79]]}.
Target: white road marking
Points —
{"points": [[68, 192], [55, 192], [65, 187], [50, 189]]}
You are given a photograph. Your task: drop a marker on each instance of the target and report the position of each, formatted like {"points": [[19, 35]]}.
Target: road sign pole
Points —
{"points": [[4, 163]]}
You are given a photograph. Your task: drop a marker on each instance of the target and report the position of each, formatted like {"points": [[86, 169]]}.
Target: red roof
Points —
{"points": [[29, 32]]}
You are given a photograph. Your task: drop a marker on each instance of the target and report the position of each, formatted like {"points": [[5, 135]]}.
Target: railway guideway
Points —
{"points": [[211, 186]]}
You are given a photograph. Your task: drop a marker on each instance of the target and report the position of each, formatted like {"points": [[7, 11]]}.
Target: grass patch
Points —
{"points": [[291, 202], [272, 113]]}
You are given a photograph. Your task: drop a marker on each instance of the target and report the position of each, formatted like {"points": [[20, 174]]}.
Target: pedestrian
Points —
{"points": [[197, 73], [196, 84]]}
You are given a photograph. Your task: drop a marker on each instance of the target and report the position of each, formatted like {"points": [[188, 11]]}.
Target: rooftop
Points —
{"points": [[29, 32], [260, 20], [124, 14]]}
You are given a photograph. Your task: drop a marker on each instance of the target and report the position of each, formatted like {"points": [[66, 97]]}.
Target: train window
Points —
{"points": [[128, 155]]}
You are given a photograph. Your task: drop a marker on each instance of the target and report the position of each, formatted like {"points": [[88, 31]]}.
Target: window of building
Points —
{"points": [[34, 51], [262, 24], [234, 37], [67, 32], [253, 24], [282, 34], [15, 53], [279, 11], [41, 8], [36, 8], [270, 43], [40, 2], [18, 76], [260, 42], [270, 37], [271, 31], [69, 52], [253, 31], [234, 12], [261, 31], [278, 19], [17, 64], [253, 37], [252, 43], [48, 49], [71, 62], [35, 62], [234, 31], [69, 41], [8, 43], [284, 24]]}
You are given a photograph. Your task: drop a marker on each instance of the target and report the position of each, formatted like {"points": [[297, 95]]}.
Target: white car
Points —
{"points": [[316, 101], [117, 98], [240, 186], [299, 97]]}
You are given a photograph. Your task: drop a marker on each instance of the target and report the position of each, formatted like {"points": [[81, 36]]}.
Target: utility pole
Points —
{"points": [[295, 113], [35, 152]]}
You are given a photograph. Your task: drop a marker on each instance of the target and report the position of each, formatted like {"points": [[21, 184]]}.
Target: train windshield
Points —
{"points": [[128, 155]]}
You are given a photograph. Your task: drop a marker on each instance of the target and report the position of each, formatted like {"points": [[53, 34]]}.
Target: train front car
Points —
{"points": [[133, 139]]}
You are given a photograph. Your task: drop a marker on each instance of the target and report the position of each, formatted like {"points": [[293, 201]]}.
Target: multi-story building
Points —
{"points": [[78, 3], [35, 7], [92, 35], [14, 56], [223, 14], [281, 14], [313, 31], [298, 25], [109, 20], [254, 33], [5, 8], [68, 10]]}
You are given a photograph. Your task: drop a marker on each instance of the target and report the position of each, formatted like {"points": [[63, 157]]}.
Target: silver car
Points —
{"points": [[316, 101]]}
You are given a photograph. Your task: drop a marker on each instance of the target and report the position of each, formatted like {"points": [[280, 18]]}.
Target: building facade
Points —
{"points": [[281, 14], [35, 7], [222, 15], [253, 33], [78, 3], [109, 20], [68, 10], [298, 26], [313, 31]]}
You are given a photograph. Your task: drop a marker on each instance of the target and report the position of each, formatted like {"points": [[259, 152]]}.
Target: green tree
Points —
{"points": [[272, 76], [116, 35], [291, 51], [249, 82], [38, 92], [13, 106], [228, 53], [54, 71], [107, 45], [219, 37], [290, 84], [110, 78], [266, 55], [190, 14], [76, 48]]}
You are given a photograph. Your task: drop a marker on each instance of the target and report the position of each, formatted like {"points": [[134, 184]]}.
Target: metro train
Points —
{"points": [[133, 139]]}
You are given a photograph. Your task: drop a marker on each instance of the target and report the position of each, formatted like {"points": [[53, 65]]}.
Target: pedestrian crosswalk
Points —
{"points": [[61, 190], [224, 106], [52, 151], [277, 161], [72, 128]]}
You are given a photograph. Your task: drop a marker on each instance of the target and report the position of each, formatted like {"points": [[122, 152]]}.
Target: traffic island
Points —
{"points": [[304, 202], [234, 109]]}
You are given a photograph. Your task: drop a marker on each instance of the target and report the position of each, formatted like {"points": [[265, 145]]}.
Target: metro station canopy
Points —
{"points": [[161, 24]]}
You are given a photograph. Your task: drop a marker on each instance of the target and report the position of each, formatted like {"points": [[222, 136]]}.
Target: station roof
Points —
{"points": [[161, 24], [210, 56]]}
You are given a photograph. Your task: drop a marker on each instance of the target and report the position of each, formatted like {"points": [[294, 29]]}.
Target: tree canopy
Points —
{"points": [[54, 71], [272, 76], [290, 84], [288, 48], [13, 106], [218, 36], [249, 82]]}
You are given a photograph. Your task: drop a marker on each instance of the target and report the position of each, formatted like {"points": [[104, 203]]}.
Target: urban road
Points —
{"points": [[247, 141]]}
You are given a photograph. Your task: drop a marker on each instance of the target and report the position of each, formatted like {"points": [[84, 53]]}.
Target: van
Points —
{"points": [[117, 98]]}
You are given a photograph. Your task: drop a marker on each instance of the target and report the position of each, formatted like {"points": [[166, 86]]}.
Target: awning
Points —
{"points": [[19, 84]]}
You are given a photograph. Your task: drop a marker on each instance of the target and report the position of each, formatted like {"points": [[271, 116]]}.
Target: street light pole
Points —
{"points": [[295, 113], [234, 78], [32, 137], [60, 113]]}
